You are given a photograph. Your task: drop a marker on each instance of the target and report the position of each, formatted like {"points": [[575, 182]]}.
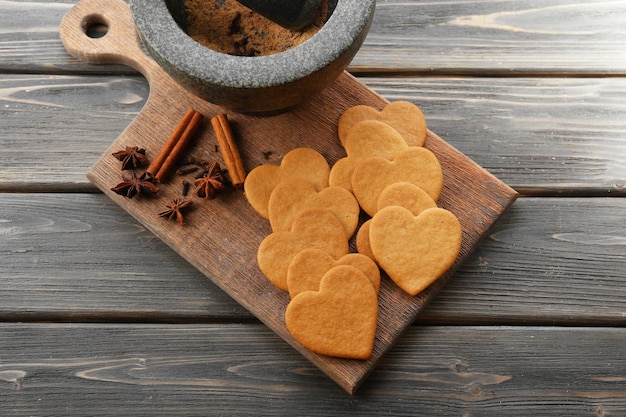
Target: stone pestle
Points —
{"points": [[291, 14]]}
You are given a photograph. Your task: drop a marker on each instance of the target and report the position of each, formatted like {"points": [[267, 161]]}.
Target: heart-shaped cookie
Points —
{"points": [[403, 194], [403, 116], [309, 266], [303, 163], [362, 240], [291, 197], [407, 195], [418, 166], [366, 139], [313, 228], [415, 250], [338, 320]]}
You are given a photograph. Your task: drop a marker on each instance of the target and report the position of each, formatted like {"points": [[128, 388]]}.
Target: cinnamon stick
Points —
{"points": [[179, 147], [154, 167], [229, 150], [175, 144]]}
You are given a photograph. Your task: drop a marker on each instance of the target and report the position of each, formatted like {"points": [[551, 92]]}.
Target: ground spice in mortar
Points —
{"points": [[229, 27]]}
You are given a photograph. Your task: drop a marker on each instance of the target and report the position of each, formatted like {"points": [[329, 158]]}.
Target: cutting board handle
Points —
{"points": [[104, 32]]}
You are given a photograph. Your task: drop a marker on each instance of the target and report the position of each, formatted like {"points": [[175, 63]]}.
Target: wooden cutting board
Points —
{"points": [[221, 236]]}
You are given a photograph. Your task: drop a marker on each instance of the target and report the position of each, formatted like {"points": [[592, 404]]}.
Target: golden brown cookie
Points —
{"points": [[366, 139], [403, 194], [403, 116], [407, 195], [338, 320], [415, 250], [303, 163], [291, 197], [313, 228], [362, 240], [416, 165], [309, 266]]}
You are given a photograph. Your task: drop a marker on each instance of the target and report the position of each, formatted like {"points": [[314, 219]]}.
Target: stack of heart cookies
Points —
{"points": [[314, 210]]}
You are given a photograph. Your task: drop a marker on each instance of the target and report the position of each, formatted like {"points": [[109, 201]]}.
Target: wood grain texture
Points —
{"points": [[542, 136], [548, 257], [53, 130], [555, 37], [409, 37], [31, 44], [537, 135], [54, 252], [237, 370], [79, 257]]}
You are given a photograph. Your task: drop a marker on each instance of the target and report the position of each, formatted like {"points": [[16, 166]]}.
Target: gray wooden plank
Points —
{"points": [[210, 370], [54, 128], [548, 261], [31, 43], [415, 36], [496, 37], [539, 135], [79, 257], [536, 134]]}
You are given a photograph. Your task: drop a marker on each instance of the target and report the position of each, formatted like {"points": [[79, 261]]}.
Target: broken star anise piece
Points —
{"points": [[132, 186], [210, 183], [173, 210], [132, 157]]}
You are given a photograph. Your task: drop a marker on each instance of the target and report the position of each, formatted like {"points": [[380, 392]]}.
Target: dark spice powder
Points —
{"points": [[229, 27]]}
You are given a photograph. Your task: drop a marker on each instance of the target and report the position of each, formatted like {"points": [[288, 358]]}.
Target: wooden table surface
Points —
{"points": [[99, 317]]}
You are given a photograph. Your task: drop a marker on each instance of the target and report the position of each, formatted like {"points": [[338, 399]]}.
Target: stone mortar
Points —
{"points": [[264, 84]]}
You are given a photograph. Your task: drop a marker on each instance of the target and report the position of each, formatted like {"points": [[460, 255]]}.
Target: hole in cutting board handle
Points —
{"points": [[95, 26]]}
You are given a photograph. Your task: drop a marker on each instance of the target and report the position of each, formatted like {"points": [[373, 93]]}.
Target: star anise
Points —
{"points": [[132, 186], [132, 157], [210, 183], [173, 210]]}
